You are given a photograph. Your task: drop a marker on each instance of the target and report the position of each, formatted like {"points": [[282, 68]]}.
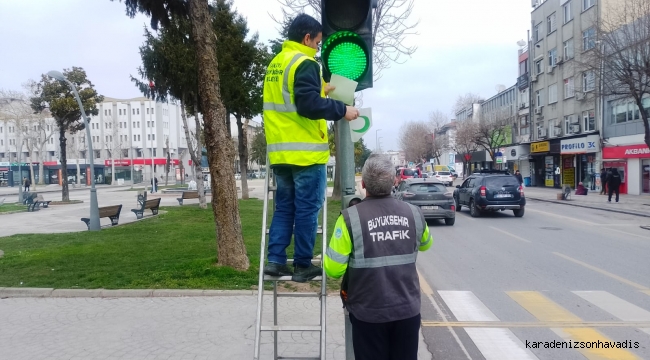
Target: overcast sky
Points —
{"points": [[463, 46]]}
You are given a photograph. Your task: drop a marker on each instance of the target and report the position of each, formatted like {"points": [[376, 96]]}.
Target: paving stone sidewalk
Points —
{"points": [[202, 327], [628, 204]]}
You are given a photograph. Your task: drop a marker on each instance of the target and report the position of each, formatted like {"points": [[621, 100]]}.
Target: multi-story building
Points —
{"points": [[447, 134], [398, 158], [565, 140]]}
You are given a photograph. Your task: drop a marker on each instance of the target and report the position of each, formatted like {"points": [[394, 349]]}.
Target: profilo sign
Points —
{"points": [[581, 145]]}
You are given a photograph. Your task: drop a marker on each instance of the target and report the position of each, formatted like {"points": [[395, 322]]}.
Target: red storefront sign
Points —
{"points": [[626, 152], [127, 162]]}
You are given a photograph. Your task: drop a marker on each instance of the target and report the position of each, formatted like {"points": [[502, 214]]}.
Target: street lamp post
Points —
{"points": [[94, 209], [377, 141]]}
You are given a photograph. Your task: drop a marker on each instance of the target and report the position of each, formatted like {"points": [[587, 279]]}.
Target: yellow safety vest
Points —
{"points": [[291, 138]]}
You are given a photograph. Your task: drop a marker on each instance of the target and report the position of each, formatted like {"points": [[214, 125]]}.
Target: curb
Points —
{"points": [[117, 293], [589, 207]]}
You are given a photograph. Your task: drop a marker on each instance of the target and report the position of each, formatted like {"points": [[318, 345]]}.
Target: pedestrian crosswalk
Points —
{"points": [[619, 329]]}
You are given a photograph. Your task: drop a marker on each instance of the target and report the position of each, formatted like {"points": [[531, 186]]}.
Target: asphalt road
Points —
{"points": [[560, 273]]}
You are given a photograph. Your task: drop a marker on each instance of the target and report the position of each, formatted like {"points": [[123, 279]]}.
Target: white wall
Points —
{"points": [[633, 176]]}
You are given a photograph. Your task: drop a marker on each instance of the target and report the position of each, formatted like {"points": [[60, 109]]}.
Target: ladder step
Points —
{"points": [[315, 261], [298, 294], [291, 328], [299, 358], [273, 188], [318, 231], [286, 278]]}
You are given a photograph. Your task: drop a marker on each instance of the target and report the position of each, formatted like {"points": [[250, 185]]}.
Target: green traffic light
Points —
{"points": [[344, 54]]}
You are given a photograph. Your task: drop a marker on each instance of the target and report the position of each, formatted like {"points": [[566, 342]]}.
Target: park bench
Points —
{"points": [[187, 195], [152, 204], [31, 200], [111, 212], [43, 202]]}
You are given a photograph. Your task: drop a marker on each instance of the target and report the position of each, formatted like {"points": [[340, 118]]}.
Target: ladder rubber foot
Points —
{"points": [[291, 328], [286, 278], [298, 294]]}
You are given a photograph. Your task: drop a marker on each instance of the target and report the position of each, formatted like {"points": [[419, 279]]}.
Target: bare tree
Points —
{"points": [[620, 58], [494, 129], [113, 142], [44, 129], [413, 140], [439, 142], [467, 100], [168, 161], [15, 111], [193, 139], [389, 26], [465, 141]]}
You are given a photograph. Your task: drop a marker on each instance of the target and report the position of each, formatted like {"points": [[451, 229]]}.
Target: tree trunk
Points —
{"points": [[113, 168], [31, 170], [65, 194], [167, 163], [230, 243], [194, 153], [41, 176], [243, 155]]}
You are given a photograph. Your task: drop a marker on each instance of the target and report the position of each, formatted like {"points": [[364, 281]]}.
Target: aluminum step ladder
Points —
{"points": [[270, 186]]}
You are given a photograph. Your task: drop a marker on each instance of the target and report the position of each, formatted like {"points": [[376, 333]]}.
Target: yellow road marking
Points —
{"points": [[546, 310], [509, 234], [424, 285], [538, 324], [647, 292], [604, 272]]}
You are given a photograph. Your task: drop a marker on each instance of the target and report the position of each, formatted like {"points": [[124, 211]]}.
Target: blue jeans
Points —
{"points": [[299, 198]]}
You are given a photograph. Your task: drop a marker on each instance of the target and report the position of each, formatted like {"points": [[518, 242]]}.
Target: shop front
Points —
{"points": [[123, 168], [545, 163], [517, 159], [579, 161], [75, 173], [633, 163]]}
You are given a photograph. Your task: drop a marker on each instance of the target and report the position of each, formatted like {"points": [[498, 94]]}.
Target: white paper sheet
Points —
{"points": [[344, 90], [361, 125]]}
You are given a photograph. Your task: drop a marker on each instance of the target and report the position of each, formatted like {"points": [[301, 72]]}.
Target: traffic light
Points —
{"points": [[347, 40]]}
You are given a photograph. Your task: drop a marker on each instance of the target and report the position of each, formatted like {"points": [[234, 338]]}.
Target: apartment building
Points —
{"points": [[566, 117]]}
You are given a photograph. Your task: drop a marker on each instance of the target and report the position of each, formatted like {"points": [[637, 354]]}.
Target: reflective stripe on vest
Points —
{"points": [[297, 146], [359, 261]]}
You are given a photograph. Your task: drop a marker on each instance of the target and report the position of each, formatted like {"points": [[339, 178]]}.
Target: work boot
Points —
{"points": [[304, 274], [275, 269]]}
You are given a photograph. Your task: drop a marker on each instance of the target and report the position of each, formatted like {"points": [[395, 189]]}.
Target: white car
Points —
{"points": [[237, 176], [444, 177]]}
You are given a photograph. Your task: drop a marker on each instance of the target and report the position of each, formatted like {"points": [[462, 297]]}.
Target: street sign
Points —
{"points": [[411, 164], [499, 159]]}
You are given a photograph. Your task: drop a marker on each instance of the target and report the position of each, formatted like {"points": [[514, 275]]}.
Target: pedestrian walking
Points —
{"points": [[295, 110], [26, 184], [519, 178], [613, 184], [374, 247], [603, 182], [154, 184]]}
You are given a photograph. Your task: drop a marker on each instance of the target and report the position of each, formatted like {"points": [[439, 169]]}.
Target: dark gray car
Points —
{"points": [[431, 196]]}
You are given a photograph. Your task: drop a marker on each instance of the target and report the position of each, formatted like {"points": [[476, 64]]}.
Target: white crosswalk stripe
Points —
{"points": [[494, 343], [616, 306]]}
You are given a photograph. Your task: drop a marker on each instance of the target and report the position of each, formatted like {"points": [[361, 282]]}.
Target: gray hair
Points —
{"points": [[378, 175]]}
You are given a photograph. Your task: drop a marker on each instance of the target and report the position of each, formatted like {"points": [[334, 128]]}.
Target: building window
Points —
{"points": [[133, 110], [148, 136], [138, 111], [539, 98], [537, 34], [551, 24], [110, 113], [586, 4], [138, 137], [105, 112], [151, 111], [539, 67], [552, 94], [589, 120], [568, 49], [588, 81], [589, 39], [524, 125], [569, 88], [153, 137], [551, 128], [552, 57], [628, 111], [568, 13], [147, 111], [134, 138]]}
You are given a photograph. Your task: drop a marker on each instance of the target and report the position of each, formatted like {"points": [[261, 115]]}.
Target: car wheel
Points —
{"points": [[473, 210], [458, 205], [519, 212], [450, 221]]}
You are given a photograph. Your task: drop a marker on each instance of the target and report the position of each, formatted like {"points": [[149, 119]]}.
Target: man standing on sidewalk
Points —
{"points": [[613, 183], [295, 109], [603, 181], [375, 244]]}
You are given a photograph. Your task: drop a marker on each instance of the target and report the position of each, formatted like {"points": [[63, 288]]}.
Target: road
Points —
{"points": [[495, 283]]}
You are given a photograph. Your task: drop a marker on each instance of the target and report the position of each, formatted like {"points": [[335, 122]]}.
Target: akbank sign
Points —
{"points": [[582, 145]]}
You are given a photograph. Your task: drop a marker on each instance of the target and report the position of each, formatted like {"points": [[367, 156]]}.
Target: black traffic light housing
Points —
{"points": [[348, 21]]}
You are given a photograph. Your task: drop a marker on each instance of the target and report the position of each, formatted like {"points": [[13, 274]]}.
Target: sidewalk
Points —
{"points": [[194, 327], [13, 191], [638, 205]]}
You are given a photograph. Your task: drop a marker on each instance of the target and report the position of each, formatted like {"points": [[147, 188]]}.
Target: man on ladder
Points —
{"points": [[295, 109]]}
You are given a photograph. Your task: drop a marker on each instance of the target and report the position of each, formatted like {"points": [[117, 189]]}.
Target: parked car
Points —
{"points": [[433, 198], [490, 190], [444, 177], [237, 176], [453, 172]]}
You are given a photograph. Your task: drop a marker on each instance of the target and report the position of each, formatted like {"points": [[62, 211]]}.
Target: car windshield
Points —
{"points": [[444, 173], [408, 172], [428, 188], [500, 181]]}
